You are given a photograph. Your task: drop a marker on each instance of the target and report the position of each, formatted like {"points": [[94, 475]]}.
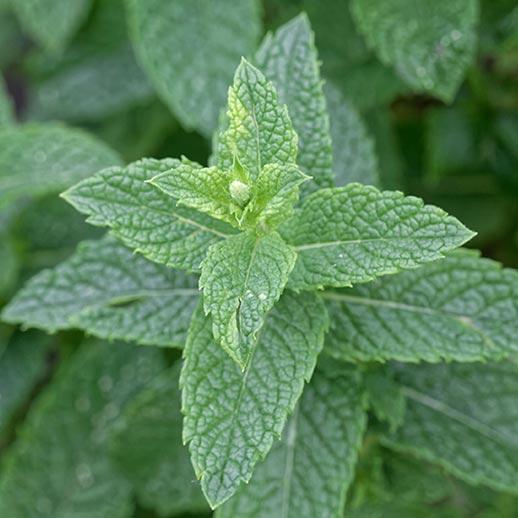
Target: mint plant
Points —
{"points": [[300, 300]]}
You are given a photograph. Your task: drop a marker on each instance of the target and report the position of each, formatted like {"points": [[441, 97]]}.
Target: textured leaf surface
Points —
{"points": [[308, 472], [289, 59], [22, 364], [191, 49], [144, 218], [464, 417], [231, 417], [430, 44], [354, 156], [461, 308], [91, 89], [147, 446], [36, 159], [229, 196], [356, 233], [205, 189], [59, 466], [6, 110], [242, 277], [51, 22], [259, 129], [108, 291]]}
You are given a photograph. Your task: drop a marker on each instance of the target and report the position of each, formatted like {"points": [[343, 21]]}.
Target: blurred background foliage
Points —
{"points": [[78, 66]]}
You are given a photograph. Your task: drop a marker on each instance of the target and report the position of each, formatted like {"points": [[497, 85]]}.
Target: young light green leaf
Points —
{"points": [[51, 22], [206, 189], [242, 278], [308, 472], [461, 308], [289, 59], [66, 434], [190, 50], [37, 159], [108, 291], [463, 417], [22, 365], [386, 399], [144, 218], [274, 194], [354, 156], [430, 44], [259, 129], [6, 109], [231, 417], [230, 195], [147, 447], [356, 233]]}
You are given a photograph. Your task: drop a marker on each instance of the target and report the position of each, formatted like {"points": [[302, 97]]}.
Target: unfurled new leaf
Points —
{"points": [[231, 195], [356, 233], [38, 159], [190, 50], [259, 129], [308, 471], [242, 278], [430, 44], [233, 417], [144, 218], [289, 59], [461, 308], [110, 292], [274, 194], [463, 417]]}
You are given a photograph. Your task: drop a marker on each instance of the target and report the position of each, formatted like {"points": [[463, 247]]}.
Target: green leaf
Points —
{"points": [[147, 447], [461, 308], [259, 129], [463, 417], [354, 156], [289, 59], [346, 60], [144, 218], [206, 189], [230, 196], [242, 278], [356, 233], [6, 109], [190, 51], [37, 159], [92, 88], [22, 365], [274, 194], [108, 291], [308, 472], [66, 435], [430, 44], [51, 22], [231, 417], [385, 397]]}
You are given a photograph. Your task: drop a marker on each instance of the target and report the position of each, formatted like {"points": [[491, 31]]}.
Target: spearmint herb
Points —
{"points": [[328, 328]]}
